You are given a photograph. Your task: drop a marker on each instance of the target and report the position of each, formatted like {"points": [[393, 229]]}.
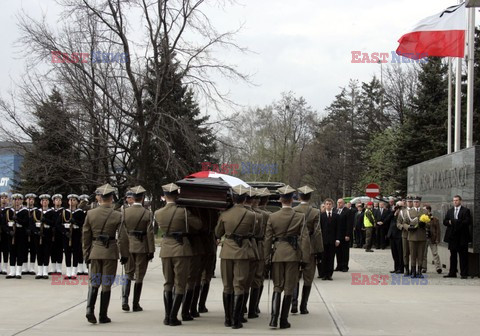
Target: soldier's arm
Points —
{"points": [[150, 235], [268, 239], [86, 238], [304, 242], [400, 220], [193, 221], [123, 241], [220, 228], [317, 235]]}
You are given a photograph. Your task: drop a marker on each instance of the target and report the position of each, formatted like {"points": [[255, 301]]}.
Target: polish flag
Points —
{"points": [[442, 34]]}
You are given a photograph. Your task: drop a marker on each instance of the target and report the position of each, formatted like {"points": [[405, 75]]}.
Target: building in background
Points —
{"points": [[10, 162]]}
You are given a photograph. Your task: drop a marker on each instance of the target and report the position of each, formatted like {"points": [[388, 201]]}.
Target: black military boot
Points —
{"points": [[104, 302], [419, 272], [167, 302], [227, 307], [137, 292], [125, 295], [91, 299], [187, 302], [413, 272], [193, 306], [407, 270], [177, 302], [237, 311], [295, 299], [203, 298], [252, 305], [275, 309], [258, 299], [287, 301], [305, 295], [244, 307]]}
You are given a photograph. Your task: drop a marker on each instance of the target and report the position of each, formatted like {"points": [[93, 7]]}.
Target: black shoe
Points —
{"points": [[228, 308], [419, 273], [38, 277], [368, 250], [394, 271], [464, 277], [18, 277], [407, 271], [413, 272], [439, 271], [193, 306], [275, 309], [294, 309], [325, 278], [177, 302], [287, 300], [253, 303], [104, 302], [167, 302], [187, 302], [125, 295], [91, 299], [203, 298], [398, 272], [305, 295], [344, 270], [237, 311], [137, 292], [258, 299], [450, 275]]}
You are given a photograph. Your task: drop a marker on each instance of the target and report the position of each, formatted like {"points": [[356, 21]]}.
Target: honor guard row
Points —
{"points": [[39, 235]]}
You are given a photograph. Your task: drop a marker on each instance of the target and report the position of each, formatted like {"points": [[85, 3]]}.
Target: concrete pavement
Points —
{"points": [[439, 307]]}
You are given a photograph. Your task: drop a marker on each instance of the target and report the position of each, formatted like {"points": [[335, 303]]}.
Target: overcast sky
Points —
{"points": [[302, 46]]}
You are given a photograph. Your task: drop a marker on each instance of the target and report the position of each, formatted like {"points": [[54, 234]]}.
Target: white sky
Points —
{"points": [[302, 46]]}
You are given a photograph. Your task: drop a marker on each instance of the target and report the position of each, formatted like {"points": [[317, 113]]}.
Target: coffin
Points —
{"points": [[210, 193]]}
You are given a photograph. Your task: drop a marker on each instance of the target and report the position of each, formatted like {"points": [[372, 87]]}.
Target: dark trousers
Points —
{"points": [[342, 253], [397, 253], [4, 238], [18, 248], [359, 236], [57, 248], [72, 251], [328, 259], [381, 232], [462, 252], [43, 249], [31, 249]]}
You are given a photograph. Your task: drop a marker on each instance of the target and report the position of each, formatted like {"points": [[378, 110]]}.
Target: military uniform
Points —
{"points": [[403, 225], [236, 224], [31, 251], [3, 234], [417, 237], [56, 255], [17, 222], [72, 224], [137, 236], [42, 226], [175, 252], [287, 241], [100, 249], [312, 222]]}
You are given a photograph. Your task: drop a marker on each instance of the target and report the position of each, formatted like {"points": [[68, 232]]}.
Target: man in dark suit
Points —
{"points": [[458, 221], [395, 236], [329, 221], [383, 218], [345, 228]]}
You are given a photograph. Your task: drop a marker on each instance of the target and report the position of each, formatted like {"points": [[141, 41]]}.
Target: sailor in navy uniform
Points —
{"points": [[4, 204], [17, 221], [29, 264], [42, 225], [56, 256]]}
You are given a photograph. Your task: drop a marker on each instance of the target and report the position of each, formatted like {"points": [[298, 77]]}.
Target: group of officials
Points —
{"points": [[42, 235]]}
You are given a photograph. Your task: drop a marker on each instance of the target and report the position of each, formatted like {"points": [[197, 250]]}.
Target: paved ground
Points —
{"points": [[37, 307]]}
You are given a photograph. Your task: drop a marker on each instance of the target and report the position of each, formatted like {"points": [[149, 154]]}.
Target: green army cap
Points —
{"points": [[285, 191], [264, 192], [305, 190], [170, 188], [241, 190], [105, 190], [138, 190]]}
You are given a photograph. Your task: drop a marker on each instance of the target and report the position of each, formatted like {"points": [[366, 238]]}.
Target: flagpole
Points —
{"points": [[449, 130], [470, 74], [458, 104]]}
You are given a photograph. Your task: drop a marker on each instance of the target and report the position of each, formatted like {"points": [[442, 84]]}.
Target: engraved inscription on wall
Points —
{"points": [[444, 179]]}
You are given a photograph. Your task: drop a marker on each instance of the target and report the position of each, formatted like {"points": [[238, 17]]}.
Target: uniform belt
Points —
{"points": [[137, 233], [235, 236], [100, 239], [259, 238], [176, 234], [286, 238]]}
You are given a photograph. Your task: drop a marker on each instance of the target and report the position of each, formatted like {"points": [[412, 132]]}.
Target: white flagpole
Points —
{"points": [[449, 130], [458, 104], [470, 70]]}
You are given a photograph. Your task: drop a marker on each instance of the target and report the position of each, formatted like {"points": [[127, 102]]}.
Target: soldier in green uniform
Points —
{"points": [[417, 236], [288, 245], [175, 252], [100, 249], [236, 224], [137, 237], [312, 221], [403, 225]]}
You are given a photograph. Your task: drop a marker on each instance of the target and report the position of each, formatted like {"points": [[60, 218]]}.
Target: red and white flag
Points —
{"points": [[442, 34]]}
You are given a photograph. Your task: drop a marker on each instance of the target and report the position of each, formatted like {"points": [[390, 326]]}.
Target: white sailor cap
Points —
{"points": [[83, 197], [30, 195], [17, 196], [57, 196], [73, 196], [44, 196]]}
